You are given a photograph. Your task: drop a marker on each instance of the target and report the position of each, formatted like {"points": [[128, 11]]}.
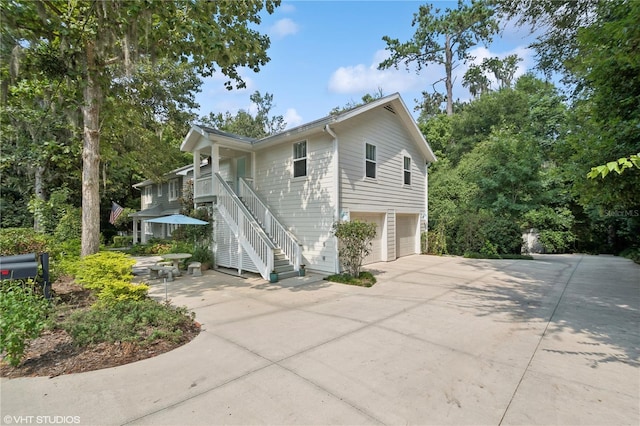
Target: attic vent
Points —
{"points": [[389, 108]]}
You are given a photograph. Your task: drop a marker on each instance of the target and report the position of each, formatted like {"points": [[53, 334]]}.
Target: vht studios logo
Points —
{"points": [[622, 213], [40, 420]]}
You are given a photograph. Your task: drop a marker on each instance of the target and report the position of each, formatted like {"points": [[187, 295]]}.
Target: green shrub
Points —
{"points": [[355, 243], [23, 241], [554, 227], [122, 240], [23, 316], [152, 247], [436, 241], [109, 275], [632, 253], [140, 321], [202, 254], [70, 225]]}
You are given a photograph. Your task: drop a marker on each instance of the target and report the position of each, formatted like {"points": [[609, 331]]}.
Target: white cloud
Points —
{"points": [[286, 8], [284, 27], [367, 79], [292, 118]]}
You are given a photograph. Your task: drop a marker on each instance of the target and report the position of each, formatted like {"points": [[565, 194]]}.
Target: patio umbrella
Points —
{"points": [[177, 219]]}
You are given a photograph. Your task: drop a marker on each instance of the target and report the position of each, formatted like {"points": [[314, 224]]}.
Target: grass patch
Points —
{"points": [[365, 279], [476, 255]]}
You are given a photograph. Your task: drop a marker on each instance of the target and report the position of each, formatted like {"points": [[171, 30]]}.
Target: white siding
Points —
{"points": [[305, 205], [383, 129], [391, 236]]}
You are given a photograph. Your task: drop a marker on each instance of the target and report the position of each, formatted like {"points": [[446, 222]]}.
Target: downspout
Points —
{"points": [[336, 187], [426, 206]]}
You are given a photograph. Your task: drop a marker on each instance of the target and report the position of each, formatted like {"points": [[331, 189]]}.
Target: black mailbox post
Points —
{"points": [[24, 266]]}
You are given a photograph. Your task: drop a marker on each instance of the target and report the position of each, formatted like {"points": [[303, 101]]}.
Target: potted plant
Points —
{"points": [[273, 277], [302, 271]]}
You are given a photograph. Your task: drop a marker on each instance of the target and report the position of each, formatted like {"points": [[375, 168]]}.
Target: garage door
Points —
{"points": [[406, 225], [376, 246]]}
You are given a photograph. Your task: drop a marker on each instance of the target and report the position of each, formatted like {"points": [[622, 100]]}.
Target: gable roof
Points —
{"points": [[392, 102]]}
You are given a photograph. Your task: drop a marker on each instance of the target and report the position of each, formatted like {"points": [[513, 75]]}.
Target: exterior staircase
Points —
{"points": [[267, 242], [281, 263]]}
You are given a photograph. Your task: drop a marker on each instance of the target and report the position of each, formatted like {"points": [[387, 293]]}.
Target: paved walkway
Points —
{"points": [[439, 340]]}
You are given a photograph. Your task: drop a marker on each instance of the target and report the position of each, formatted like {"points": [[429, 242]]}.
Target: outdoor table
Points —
{"points": [[175, 258]]}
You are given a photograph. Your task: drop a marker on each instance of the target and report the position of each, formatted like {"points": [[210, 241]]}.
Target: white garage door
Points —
{"points": [[376, 245], [406, 225]]}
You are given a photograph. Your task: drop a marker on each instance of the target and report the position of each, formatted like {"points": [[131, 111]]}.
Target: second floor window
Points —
{"points": [[146, 195], [407, 170], [174, 189], [159, 190], [300, 159], [370, 161]]}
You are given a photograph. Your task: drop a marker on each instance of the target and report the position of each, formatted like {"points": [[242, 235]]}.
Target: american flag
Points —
{"points": [[116, 211]]}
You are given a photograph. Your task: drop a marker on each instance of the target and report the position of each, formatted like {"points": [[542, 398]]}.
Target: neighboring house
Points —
{"points": [[158, 199], [274, 200]]}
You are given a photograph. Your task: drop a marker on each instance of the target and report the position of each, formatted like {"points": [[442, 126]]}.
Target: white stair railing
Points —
{"points": [[283, 238], [248, 232]]}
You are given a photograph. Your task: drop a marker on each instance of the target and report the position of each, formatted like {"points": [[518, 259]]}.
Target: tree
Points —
{"points": [[99, 42], [245, 124], [618, 166], [366, 98], [355, 243], [475, 80], [558, 22], [441, 38], [503, 70]]}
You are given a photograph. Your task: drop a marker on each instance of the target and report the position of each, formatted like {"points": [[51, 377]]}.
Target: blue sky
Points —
{"points": [[325, 54]]}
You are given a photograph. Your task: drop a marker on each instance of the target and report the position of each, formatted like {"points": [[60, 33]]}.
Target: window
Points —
{"points": [[300, 159], [159, 190], [146, 195], [171, 228], [174, 189], [370, 161], [407, 170]]}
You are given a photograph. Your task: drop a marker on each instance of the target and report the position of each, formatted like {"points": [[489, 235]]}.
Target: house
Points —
{"points": [[158, 199], [274, 200]]}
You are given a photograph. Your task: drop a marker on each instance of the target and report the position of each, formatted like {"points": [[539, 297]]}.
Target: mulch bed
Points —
{"points": [[53, 353]]}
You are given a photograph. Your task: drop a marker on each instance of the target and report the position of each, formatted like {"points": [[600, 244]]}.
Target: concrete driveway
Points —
{"points": [[439, 340]]}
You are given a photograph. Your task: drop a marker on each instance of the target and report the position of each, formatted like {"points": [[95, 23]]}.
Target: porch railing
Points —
{"points": [[250, 235], [203, 187], [283, 238]]}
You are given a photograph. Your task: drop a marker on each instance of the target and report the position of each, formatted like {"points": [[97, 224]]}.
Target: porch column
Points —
{"points": [[196, 174], [135, 231], [143, 235], [215, 165]]}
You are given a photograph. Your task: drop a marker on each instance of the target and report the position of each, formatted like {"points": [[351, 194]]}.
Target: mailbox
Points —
{"points": [[23, 266], [18, 271]]}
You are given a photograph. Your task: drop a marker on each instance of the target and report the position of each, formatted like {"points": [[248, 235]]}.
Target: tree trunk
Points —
{"points": [[448, 66], [39, 192], [91, 159]]}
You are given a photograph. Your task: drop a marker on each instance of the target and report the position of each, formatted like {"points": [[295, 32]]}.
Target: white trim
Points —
{"points": [[300, 159], [405, 170], [367, 160], [174, 189]]}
